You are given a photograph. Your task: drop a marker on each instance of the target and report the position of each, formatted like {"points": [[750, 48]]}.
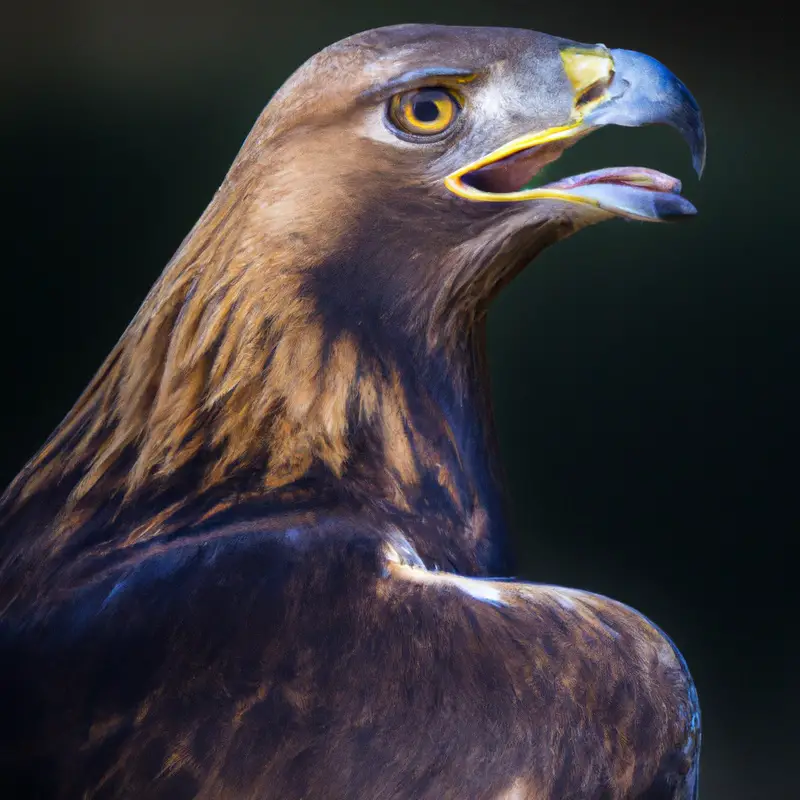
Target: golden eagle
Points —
{"points": [[255, 559]]}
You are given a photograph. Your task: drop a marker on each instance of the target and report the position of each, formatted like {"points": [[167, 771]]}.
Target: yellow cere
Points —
{"points": [[587, 68]]}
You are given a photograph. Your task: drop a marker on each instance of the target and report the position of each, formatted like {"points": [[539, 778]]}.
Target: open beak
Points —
{"points": [[611, 87]]}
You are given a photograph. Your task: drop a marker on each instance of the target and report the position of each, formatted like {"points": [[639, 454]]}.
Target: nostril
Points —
{"points": [[589, 71], [594, 92]]}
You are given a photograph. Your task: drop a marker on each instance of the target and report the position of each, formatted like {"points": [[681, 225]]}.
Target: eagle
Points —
{"points": [[266, 553]]}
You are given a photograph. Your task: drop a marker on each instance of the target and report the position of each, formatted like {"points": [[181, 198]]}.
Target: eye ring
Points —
{"points": [[424, 113]]}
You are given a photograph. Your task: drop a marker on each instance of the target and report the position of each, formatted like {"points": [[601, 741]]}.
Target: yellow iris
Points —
{"points": [[424, 112]]}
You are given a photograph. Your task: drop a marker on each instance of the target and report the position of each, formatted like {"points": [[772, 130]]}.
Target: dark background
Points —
{"points": [[645, 376]]}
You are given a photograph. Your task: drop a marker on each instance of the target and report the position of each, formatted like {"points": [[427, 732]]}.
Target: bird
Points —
{"points": [[267, 553]]}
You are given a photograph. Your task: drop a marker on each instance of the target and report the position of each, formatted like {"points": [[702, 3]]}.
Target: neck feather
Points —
{"points": [[230, 388]]}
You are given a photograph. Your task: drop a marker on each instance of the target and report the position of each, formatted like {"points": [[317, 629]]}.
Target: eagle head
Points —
{"points": [[415, 153], [318, 335]]}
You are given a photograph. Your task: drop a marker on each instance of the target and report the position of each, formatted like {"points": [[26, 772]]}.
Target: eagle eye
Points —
{"points": [[424, 112]]}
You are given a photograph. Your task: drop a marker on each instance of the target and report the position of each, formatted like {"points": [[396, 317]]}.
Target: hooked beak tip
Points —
{"points": [[644, 92]]}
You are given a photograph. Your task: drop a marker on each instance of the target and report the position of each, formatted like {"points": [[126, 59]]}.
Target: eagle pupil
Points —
{"points": [[426, 110]]}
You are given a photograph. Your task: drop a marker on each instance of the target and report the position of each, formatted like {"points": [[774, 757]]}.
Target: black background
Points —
{"points": [[645, 376]]}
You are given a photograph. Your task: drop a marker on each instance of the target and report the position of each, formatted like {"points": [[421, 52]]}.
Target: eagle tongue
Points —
{"points": [[640, 177]]}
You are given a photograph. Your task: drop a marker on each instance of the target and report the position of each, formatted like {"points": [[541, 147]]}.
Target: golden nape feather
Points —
{"points": [[253, 561]]}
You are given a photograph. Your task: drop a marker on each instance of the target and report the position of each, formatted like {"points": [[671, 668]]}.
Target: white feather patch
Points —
{"points": [[405, 562]]}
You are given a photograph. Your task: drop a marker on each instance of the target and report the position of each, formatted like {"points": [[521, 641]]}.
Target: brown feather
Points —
{"points": [[239, 566]]}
